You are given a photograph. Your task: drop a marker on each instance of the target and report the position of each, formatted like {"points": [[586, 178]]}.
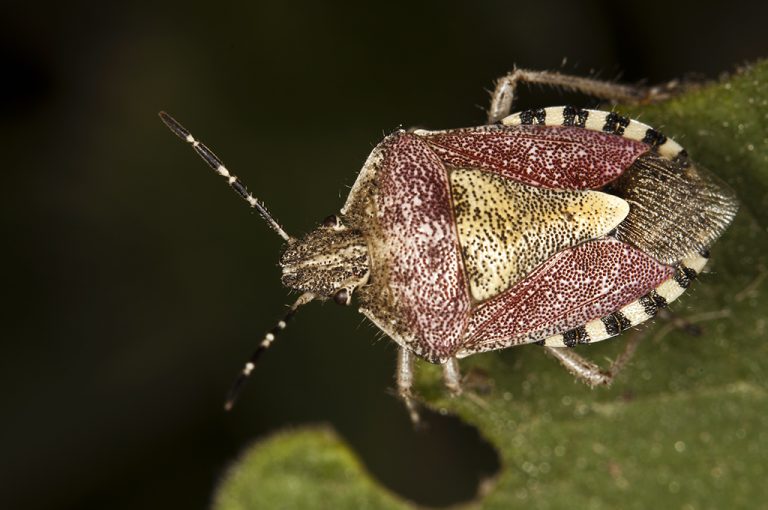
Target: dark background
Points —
{"points": [[135, 284]]}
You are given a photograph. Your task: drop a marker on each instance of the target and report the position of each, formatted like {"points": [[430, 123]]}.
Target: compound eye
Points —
{"points": [[342, 297], [331, 221]]}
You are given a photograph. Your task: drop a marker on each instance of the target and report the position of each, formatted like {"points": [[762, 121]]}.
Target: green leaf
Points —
{"points": [[302, 468], [685, 425]]}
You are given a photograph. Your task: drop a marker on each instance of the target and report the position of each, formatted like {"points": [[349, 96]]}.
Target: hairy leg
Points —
{"points": [[590, 373], [404, 379], [505, 92], [452, 376]]}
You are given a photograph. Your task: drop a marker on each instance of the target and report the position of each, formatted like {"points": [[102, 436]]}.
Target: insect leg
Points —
{"points": [[404, 379], [679, 323], [452, 376], [237, 386], [587, 371], [505, 92]]}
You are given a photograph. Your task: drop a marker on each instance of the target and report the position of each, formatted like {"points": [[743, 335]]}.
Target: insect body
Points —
{"points": [[557, 226]]}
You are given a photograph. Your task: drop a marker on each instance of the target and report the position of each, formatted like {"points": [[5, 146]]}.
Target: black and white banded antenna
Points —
{"points": [[218, 166], [237, 386]]}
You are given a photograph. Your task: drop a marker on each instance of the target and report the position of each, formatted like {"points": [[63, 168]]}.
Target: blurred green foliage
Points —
{"points": [[685, 426]]}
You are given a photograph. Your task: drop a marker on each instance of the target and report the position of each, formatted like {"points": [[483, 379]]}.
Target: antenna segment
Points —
{"points": [[234, 391], [217, 165]]}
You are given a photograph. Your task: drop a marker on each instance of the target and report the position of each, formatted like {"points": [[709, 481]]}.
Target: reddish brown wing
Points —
{"points": [[420, 247], [572, 288], [548, 156]]}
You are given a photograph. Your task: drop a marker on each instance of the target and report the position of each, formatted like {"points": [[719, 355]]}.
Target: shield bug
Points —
{"points": [[556, 226]]}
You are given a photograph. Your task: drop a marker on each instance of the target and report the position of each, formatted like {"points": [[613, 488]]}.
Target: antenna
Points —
{"points": [[218, 166], [237, 386]]}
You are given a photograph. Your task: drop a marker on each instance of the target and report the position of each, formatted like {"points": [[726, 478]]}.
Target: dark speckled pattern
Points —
{"points": [[420, 247], [419, 292], [547, 156], [570, 289]]}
